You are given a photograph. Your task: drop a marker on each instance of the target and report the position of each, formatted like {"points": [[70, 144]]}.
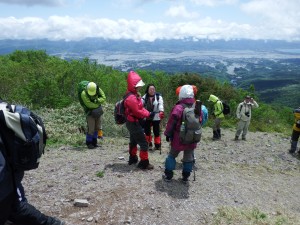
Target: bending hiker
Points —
{"points": [[135, 112], [296, 131], [173, 135], [153, 102], [218, 115], [243, 113], [92, 98]]}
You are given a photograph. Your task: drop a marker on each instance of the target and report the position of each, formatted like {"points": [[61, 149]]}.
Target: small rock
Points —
{"points": [[81, 203], [90, 219]]}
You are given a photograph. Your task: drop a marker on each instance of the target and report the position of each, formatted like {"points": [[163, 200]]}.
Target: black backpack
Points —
{"points": [[23, 134], [226, 108], [119, 111]]}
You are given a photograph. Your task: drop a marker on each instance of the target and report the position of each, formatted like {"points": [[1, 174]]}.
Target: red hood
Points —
{"points": [[132, 79]]}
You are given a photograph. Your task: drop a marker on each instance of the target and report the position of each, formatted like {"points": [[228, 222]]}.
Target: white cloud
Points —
{"points": [[213, 3], [280, 17], [76, 28], [34, 2], [181, 12]]}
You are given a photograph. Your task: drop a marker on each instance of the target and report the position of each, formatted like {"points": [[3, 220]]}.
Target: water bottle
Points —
{"points": [[182, 127], [182, 131]]}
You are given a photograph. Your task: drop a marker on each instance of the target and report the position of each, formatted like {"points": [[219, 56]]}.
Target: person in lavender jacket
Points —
{"points": [[186, 96]]}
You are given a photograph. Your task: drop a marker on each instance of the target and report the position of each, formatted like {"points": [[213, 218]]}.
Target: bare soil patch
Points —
{"points": [[257, 173]]}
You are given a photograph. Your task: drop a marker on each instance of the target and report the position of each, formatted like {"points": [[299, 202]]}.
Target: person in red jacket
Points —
{"points": [[134, 112]]}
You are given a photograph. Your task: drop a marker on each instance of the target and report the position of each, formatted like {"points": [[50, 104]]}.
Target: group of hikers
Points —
{"points": [[143, 113]]}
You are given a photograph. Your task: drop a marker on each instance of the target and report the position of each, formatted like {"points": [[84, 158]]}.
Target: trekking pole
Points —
{"points": [[194, 169], [160, 129]]}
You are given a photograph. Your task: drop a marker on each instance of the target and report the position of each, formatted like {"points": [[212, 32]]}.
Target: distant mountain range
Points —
{"points": [[273, 67], [171, 46]]}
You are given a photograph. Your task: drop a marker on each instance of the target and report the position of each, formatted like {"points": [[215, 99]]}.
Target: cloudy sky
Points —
{"points": [[150, 19]]}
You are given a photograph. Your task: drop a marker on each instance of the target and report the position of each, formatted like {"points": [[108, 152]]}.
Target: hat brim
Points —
{"points": [[140, 84]]}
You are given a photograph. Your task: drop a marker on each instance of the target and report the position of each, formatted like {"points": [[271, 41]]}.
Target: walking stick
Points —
{"points": [[160, 129], [194, 170]]}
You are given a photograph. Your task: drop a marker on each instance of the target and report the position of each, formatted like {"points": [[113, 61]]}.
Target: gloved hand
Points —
{"points": [[168, 138], [161, 115], [151, 115]]}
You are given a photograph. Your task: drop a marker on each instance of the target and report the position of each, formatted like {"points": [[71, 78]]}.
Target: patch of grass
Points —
{"points": [[253, 216], [100, 174]]}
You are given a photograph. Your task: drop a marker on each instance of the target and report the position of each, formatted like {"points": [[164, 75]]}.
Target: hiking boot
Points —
{"points": [[236, 138], [166, 178], [91, 146], [185, 177], [54, 221], [244, 139], [145, 165], [157, 146], [133, 160], [184, 180], [291, 151]]}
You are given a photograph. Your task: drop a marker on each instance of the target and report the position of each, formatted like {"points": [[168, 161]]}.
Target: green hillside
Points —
{"points": [[44, 82]]}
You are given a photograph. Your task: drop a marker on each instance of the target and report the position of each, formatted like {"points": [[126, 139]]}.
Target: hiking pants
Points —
{"points": [[25, 213], [187, 160], [217, 124], [155, 124], [93, 124], [294, 141], [242, 127], [137, 136]]}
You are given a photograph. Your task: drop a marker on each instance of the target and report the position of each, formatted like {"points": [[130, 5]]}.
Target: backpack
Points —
{"points": [[204, 115], [119, 111], [226, 108], [23, 135], [190, 129]]}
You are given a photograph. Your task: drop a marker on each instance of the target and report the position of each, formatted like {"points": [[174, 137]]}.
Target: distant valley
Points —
{"points": [[273, 67]]}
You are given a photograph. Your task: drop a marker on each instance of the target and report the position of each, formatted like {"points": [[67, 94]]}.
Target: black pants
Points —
{"points": [[137, 135], [6, 207], [155, 124]]}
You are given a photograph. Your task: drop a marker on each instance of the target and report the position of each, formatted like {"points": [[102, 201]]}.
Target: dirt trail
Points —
{"points": [[240, 174]]}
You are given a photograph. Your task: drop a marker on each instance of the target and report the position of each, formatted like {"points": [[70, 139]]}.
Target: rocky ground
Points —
{"points": [[257, 173]]}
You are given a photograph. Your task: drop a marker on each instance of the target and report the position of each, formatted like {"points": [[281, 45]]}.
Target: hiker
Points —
{"points": [[218, 116], [243, 113], [14, 207], [195, 89], [172, 133], [153, 102], [134, 112], [296, 131], [92, 98], [11, 207]]}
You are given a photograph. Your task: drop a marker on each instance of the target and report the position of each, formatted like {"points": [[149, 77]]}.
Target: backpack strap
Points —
{"points": [[241, 106]]}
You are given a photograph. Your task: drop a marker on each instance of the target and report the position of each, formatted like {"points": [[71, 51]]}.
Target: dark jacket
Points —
{"points": [[7, 190]]}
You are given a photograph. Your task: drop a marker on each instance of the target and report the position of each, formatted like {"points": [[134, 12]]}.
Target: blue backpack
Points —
{"points": [[23, 135]]}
